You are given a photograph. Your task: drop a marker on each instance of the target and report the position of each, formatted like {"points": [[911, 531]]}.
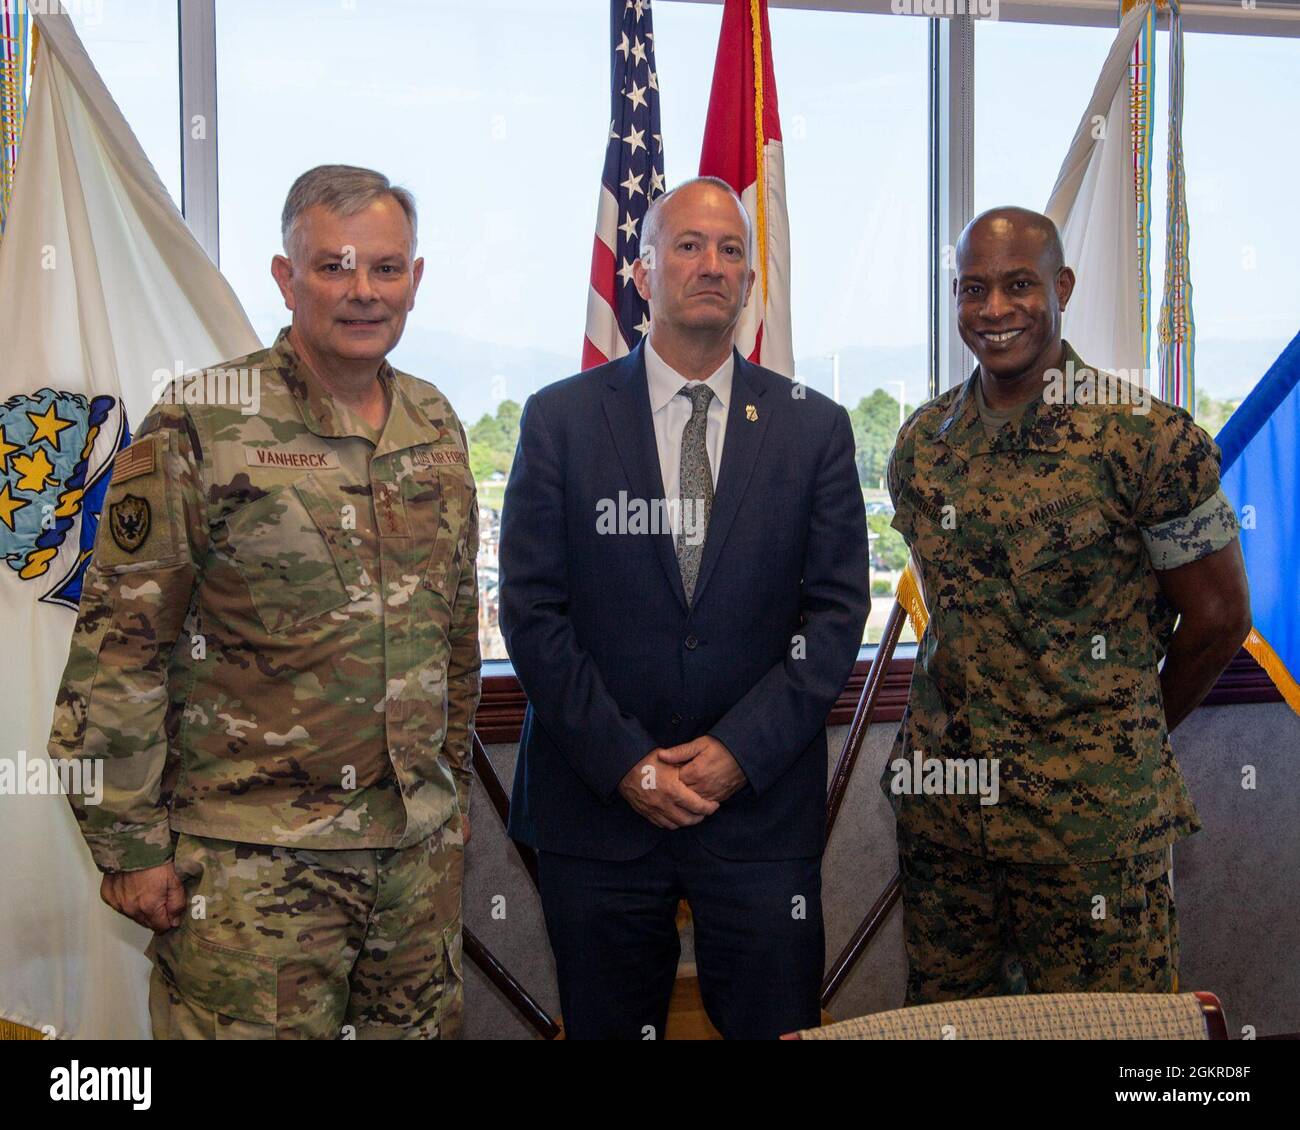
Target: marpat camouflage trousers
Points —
{"points": [[979, 928], [279, 943]]}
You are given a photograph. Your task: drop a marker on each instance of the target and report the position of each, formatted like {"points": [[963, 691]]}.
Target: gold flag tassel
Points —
{"points": [[909, 596], [1276, 670], [17, 62]]}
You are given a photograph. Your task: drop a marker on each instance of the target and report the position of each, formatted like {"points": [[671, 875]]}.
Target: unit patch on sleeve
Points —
{"points": [[128, 521]]}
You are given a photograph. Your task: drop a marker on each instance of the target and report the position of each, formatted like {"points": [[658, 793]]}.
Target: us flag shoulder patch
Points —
{"points": [[138, 459]]}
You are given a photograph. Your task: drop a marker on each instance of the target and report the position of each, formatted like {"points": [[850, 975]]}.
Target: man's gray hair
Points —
{"points": [[653, 215], [343, 189]]}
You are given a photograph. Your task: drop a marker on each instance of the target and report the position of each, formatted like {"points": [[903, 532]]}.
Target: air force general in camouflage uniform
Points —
{"points": [[1056, 542], [277, 660]]}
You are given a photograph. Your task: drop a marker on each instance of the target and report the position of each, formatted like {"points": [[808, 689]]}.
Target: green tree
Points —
{"points": [[875, 426], [493, 439], [888, 547], [1212, 414]]}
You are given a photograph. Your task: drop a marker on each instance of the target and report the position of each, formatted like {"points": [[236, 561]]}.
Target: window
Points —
{"points": [[495, 115], [510, 114], [853, 93], [1032, 84], [137, 55], [1242, 168]]}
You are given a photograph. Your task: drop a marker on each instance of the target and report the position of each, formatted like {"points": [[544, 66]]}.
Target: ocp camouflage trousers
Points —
{"points": [[279, 943], [976, 928]]}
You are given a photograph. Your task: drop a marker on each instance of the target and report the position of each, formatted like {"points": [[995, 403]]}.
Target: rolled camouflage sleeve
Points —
{"points": [[463, 668], [1180, 541], [1182, 514], [112, 704]]}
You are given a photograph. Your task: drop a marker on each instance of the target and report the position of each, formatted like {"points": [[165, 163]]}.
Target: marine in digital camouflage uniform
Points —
{"points": [[277, 660], [1056, 543]]}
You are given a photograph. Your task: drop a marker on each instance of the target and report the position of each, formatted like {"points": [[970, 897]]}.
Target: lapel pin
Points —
{"points": [[751, 413]]}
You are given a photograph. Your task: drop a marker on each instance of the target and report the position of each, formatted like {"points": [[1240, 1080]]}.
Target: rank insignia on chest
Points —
{"points": [[128, 521]]}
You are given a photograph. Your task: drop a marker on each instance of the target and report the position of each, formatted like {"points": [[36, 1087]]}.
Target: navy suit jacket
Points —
{"points": [[614, 661]]}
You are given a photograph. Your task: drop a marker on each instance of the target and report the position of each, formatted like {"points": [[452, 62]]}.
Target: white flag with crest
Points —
{"points": [[103, 289]]}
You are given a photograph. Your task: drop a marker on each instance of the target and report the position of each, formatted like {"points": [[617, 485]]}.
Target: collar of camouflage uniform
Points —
{"points": [[407, 425], [1042, 427]]}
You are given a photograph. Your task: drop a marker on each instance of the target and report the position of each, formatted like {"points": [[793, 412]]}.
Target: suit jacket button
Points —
{"points": [[691, 643], [676, 719]]}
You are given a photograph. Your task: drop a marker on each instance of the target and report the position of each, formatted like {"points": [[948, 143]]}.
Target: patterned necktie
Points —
{"points": [[696, 487]]}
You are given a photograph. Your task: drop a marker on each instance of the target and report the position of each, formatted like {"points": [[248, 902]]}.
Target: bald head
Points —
{"points": [[694, 270], [1011, 225], [1012, 287], [659, 210]]}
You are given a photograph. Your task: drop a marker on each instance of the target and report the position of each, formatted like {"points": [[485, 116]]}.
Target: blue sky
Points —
{"points": [[495, 113]]}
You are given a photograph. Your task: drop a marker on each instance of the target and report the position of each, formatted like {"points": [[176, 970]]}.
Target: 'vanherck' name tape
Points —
{"points": [[273, 457]]}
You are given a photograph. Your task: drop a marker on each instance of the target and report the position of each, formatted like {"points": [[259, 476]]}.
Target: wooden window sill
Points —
{"points": [[501, 711]]}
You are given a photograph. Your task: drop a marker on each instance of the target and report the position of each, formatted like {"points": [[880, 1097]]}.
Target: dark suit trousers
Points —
{"points": [[759, 943]]}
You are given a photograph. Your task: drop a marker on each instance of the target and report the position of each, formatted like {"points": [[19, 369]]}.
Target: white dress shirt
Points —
{"points": [[671, 413]]}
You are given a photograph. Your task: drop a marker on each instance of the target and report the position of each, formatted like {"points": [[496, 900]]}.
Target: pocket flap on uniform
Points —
{"points": [[291, 561], [230, 982], [1044, 543], [455, 500], [1148, 867]]}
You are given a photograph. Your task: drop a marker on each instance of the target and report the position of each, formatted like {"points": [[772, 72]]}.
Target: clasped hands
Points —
{"points": [[682, 784]]}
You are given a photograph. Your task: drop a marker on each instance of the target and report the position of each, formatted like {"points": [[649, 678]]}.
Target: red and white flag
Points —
{"points": [[742, 145]]}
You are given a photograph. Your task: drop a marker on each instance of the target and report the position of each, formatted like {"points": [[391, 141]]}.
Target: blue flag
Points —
{"points": [[1261, 477]]}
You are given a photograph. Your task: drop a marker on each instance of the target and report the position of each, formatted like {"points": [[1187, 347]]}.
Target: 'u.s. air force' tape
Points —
{"points": [[441, 456]]}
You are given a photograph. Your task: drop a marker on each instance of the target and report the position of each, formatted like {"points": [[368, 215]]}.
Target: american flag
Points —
{"points": [[617, 316]]}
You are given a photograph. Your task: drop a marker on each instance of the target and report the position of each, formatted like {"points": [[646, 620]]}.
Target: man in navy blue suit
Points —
{"points": [[684, 583]]}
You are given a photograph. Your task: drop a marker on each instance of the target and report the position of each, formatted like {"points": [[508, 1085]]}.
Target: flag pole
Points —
{"points": [[862, 716]]}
